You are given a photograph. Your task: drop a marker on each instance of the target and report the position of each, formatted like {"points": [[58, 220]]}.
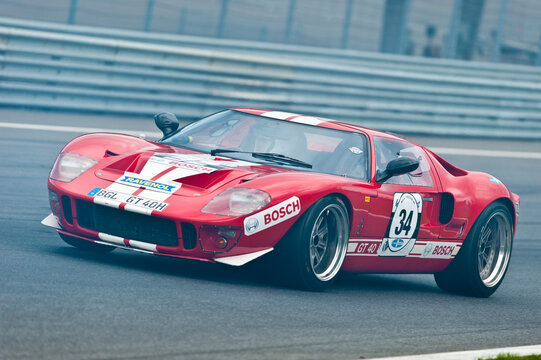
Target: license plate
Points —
{"points": [[115, 196]]}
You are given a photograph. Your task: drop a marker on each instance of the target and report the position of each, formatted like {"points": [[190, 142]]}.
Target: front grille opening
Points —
{"points": [[66, 206], [189, 236], [126, 224]]}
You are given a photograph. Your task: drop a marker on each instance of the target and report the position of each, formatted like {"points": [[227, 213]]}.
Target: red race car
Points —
{"points": [[311, 196]]}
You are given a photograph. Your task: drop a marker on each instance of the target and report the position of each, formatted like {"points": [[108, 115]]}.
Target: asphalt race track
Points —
{"points": [[57, 302]]}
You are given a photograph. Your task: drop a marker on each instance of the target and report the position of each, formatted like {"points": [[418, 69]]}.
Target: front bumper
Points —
{"points": [[128, 244], [175, 232]]}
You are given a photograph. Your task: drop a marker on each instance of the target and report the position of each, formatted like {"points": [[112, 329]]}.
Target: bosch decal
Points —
{"points": [[404, 225], [440, 250], [272, 216], [251, 225], [428, 250], [148, 183]]}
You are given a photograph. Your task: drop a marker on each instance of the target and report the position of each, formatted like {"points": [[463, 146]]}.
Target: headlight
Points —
{"points": [[237, 202], [70, 165]]}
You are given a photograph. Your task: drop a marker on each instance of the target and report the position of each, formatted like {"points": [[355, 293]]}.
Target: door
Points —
{"points": [[406, 208]]}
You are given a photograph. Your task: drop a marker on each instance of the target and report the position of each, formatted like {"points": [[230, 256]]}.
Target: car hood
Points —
{"points": [[180, 173]]}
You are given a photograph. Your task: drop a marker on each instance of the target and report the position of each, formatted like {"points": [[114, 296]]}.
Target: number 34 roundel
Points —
{"points": [[403, 225]]}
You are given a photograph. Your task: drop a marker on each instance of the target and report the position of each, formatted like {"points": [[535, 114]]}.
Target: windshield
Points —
{"points": [[326, 150]]}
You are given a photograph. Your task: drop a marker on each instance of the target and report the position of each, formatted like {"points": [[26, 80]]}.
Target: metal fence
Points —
{"points": [[92, 70]]}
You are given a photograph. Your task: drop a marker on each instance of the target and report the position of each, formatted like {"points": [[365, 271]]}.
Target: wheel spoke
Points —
{"points": [[321, 248], [485, 260], [318, 256], [323, 231], [313, 255], [486, 235]]}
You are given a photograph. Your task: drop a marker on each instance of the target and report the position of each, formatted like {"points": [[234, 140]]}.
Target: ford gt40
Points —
{"points": [[309, 196]]}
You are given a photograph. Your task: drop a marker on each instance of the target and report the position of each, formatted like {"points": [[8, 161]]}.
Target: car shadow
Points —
{"points": [[163, 265], [250, 275], [402, 283]]}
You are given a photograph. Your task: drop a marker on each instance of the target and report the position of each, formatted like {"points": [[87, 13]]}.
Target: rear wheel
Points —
{"points": [[86, 245], [313, 251], [480, 266]]}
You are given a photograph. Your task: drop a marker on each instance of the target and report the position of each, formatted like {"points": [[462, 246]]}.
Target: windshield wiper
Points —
{"points": [[273, 157]]}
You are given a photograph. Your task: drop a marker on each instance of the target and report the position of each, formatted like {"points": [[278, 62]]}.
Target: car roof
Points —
{"points": [[315, 121]]}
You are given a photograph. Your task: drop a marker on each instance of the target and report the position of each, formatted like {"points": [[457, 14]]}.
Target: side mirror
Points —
{"points": [[398, 166], [166, 122]]}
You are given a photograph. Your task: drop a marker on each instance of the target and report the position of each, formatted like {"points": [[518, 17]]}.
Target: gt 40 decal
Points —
{"points": [[438, 249], [272, 216], [403, 226]]}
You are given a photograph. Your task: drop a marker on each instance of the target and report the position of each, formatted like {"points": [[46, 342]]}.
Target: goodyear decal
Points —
{"points": [[148, 183]]}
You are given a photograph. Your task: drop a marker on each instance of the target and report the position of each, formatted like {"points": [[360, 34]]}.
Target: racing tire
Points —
{"points": [[481, 264], [311, 254], [86, 245]]}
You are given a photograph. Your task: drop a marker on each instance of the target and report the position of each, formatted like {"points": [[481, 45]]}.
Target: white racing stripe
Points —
{"points": [[157, 177], [438, 150], [133, 243], [278, 115], [143, 245], [111, 238], [138, 209], [106, 202], [309, 120]]}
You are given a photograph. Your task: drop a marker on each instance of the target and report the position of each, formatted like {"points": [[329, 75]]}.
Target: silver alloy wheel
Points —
{"points": [[494, 248], [329, 242]]}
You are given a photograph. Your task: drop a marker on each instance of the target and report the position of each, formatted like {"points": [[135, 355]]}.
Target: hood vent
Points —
{"points": [[205, 181], [133, 163]]}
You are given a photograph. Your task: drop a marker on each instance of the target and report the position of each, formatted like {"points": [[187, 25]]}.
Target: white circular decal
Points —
{"points": [[406, 209]]}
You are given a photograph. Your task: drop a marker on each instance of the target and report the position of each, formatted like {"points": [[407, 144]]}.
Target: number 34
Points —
{"points": [[405, 222]]}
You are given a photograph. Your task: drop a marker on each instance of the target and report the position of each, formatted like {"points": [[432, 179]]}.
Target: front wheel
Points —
{"points": [[313, 251], [480, 266]]}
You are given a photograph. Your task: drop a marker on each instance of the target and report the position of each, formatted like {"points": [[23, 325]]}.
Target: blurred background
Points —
{"points": [[482, 30], [447, 67]]}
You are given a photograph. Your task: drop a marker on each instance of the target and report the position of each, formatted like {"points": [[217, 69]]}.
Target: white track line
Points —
{"points": [[472, 355], [487, 153], [74, 129], [437, 150]]}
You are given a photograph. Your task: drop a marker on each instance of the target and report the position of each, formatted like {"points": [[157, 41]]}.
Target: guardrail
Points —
{"points": [[352, 57], [79, 69]]}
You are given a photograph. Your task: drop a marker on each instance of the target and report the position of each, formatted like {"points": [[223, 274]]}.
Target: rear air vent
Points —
{"points": [[447, 208]]}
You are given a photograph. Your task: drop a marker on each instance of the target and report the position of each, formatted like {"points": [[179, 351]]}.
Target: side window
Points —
{"points": [[389, 149], [342, 153]]}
